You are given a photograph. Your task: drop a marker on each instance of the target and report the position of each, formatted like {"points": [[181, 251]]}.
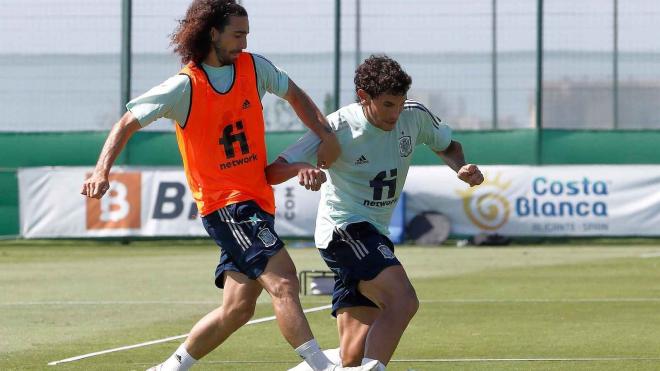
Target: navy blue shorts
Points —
{"points": [[246, 236], [358, 253]]}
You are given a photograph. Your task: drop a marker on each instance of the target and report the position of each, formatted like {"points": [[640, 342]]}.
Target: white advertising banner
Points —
{"points": [[513, 201], [140, 202], [595, 200]]}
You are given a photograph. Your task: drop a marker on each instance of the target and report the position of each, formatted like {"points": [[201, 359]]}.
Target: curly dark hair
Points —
{"points": [[381, 74], [192, 37]]}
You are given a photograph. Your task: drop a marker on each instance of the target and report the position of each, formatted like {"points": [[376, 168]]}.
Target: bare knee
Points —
{"points": [[405, 304], [409, 303], [240, 312], [284, 288], [412, 305]]}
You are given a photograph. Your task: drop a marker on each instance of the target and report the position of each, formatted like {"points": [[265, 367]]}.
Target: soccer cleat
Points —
{"points": [[371, 366], [160, 367]]}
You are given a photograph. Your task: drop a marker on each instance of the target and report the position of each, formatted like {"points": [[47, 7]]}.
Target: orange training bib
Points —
{"points": [[223, 143]]}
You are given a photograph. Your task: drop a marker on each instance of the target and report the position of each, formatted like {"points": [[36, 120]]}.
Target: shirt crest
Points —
{"points": [[405, 146]]}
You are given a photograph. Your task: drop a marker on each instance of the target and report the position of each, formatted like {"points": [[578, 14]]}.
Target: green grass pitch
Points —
{"points": [[560, 307]]}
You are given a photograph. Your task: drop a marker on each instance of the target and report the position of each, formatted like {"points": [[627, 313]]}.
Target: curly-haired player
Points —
{"points": [[373, 299], [216, 103]]}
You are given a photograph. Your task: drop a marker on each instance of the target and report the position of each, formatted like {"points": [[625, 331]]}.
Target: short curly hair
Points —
{"points": [[381, 74], [192, 39]]}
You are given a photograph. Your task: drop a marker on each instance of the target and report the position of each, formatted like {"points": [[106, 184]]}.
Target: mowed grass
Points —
{"points": [[516, 308]]}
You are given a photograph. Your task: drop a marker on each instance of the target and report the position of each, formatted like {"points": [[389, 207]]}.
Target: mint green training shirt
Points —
{"points": [[366, 181], [171, 99]]}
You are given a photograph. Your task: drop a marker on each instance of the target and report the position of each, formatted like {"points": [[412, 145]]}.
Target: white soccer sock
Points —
{"points": [[312, 354], [381, 366], [180, 360]]}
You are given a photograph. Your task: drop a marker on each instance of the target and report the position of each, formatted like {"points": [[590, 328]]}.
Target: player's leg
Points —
{"points": [[353, 324], [392, 292], [259, 253], [239, 299], [280, 280], [241, 293], [369, 274], [357, 253], [354, 313]]}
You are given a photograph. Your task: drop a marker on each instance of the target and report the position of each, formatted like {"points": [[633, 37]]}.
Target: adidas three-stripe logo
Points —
{"points": [[410, 104], [362, 160], [236, 229], [357, 246]]}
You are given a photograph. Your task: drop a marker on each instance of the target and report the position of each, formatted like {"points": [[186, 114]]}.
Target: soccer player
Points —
{"points": [[373, 298], [216, 103]]}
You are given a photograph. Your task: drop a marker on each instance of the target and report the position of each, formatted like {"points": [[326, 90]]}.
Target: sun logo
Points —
{"points": [[485, 205]]}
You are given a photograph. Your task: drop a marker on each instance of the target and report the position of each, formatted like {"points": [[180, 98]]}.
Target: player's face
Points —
{"points": [[382, 111], [232, 40]]}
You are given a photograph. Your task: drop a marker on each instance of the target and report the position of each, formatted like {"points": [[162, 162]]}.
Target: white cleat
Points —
{"points": [[156, 368], [371, 366], [331, 354]]}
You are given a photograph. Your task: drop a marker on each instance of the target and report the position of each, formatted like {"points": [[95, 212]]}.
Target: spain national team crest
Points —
{"points": [[405, 146], [387, 253], [267, 237]]}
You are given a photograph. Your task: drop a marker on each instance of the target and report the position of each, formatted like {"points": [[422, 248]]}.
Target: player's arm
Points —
{"points": [[308, 175], [312, 117], [437, 136], [169, 99], [454, 157], [97, 184], [295, 161]]}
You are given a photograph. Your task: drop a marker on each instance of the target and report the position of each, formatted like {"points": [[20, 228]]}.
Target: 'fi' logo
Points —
{"points": [[229, 138]]}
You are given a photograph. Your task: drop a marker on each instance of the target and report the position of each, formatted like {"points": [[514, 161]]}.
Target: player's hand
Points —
{"points": [[471, 175], [311, 178], [95, 186], [329, 150]]}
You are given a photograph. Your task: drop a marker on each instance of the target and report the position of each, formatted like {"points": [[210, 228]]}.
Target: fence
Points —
{"points": [[480, 65], [521, 82]]}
